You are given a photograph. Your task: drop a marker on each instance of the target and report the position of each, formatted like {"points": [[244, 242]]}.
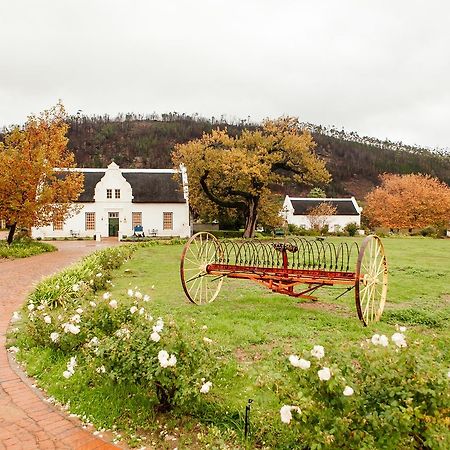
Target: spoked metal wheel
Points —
{"points": [[199, 286], [371, 280]]}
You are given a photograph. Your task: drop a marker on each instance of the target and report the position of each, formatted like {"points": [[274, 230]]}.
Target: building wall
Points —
{"points": [[334, 222], [152, 213], [152, 219]]}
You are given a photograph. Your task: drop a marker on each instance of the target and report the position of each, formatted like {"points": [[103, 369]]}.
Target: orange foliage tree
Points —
{"points": [[408, 201], [32, 193], [238, 172]]}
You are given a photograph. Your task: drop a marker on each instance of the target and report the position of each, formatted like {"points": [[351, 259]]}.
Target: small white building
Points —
{"points": [[296, 210], [115, 201]]}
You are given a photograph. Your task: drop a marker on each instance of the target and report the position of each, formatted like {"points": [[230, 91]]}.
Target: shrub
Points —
{"points": [[117, 339], [391, 395], [78, 280], [24, 247], [351, 228]]}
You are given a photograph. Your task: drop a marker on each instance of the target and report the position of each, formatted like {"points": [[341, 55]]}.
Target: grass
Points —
{"points": [[22, 248], [254, 329]]}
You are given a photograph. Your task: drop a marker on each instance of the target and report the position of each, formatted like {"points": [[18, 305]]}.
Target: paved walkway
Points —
{"points": [[26, 421]]}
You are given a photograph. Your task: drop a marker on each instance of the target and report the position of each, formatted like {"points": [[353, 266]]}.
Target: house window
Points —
{"points": [[90, 221], [2, 224], [108, 193], [167, 221], [117, 193], [136, 219], [57, 225]]}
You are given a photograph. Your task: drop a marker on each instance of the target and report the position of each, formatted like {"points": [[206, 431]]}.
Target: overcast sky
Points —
{"points": [[381, 68]]}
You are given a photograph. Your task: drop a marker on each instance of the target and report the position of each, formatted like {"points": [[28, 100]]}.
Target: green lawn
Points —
{"points": [[254, 331], [255, 326]]}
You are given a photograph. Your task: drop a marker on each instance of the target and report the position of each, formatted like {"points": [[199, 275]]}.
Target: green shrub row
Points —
{"points": [[24, 247]]}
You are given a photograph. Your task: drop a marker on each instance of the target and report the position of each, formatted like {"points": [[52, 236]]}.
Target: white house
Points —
{"points": [[295, 211], [114, 201]]}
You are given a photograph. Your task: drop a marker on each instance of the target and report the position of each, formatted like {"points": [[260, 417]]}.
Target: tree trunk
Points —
{"points": [[251, 218], [12, 230]]}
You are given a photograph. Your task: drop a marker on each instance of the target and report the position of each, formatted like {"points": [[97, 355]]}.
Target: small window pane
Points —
{"points": [[117, 193], [57, 225], [167, 221], [108, 193], [90, 221]]}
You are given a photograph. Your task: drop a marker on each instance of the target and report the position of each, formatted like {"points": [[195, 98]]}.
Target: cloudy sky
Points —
{"points": [[381, 68]]}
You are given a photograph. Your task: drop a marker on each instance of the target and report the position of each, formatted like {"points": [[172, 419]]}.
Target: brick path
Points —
{"points": [[26, 421]]}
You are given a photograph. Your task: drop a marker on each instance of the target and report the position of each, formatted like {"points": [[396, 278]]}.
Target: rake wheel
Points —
{"points": [[199, 286], [371, 280]]}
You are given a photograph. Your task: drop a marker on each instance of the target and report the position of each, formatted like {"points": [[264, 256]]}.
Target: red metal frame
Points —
{"points": [[283, 280]]}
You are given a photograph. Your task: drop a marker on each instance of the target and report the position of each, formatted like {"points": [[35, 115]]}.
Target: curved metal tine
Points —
{"points": [[229, 251], [350, 254], [302, 242], [332, 255], [316, 254], [234, 250], [252, 257], [294, 255], [219, 254], [262, 251], [321, 254], [326, 255], [339, 257], [259, 252], [307, 253], [239, 253], [291, 255], [274, 256]]}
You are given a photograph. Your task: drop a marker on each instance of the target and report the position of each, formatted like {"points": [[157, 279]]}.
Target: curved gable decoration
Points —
{"points": [[113, 179]]}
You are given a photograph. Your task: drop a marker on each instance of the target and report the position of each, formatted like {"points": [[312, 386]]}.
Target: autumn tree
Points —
{"points": [[319, 216], [238, 172], [408, 201], [32, 193]]}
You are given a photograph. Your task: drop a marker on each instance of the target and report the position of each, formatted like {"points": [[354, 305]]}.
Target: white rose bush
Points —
{"points": [[99, 337], [384, 393]]}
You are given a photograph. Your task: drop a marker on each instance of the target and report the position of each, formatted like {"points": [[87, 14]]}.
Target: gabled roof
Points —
{"points": [[151, 187], [344, 206], [148, 185], [90, 181]]}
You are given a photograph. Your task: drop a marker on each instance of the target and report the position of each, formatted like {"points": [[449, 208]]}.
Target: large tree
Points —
{"points": [[238, 172], [32, 193], [408, 201]]}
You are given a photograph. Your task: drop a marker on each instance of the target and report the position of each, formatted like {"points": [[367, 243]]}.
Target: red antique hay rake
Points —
{"points": [[282, 266]]}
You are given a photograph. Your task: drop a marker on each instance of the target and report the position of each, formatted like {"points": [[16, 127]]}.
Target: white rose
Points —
{"points": [[113, 304], [47, 319], [348, 391], [133, 309], [324, 374], [318, 352], [206, 387], [155, 337]]}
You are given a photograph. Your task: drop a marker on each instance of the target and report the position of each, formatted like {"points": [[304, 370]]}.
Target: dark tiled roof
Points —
{"points": [[90, 181], [344, 207], [154, 187]]}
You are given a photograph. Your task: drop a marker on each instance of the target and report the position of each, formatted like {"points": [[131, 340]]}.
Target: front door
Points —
{"points": [[113, 224]]}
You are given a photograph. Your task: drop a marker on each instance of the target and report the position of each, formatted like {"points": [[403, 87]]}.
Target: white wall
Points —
{"points": [[152, 213], [152, 219], [332, 221]]}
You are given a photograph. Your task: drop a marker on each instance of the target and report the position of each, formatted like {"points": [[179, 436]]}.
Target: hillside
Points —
{"points": [[147, 141]]}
